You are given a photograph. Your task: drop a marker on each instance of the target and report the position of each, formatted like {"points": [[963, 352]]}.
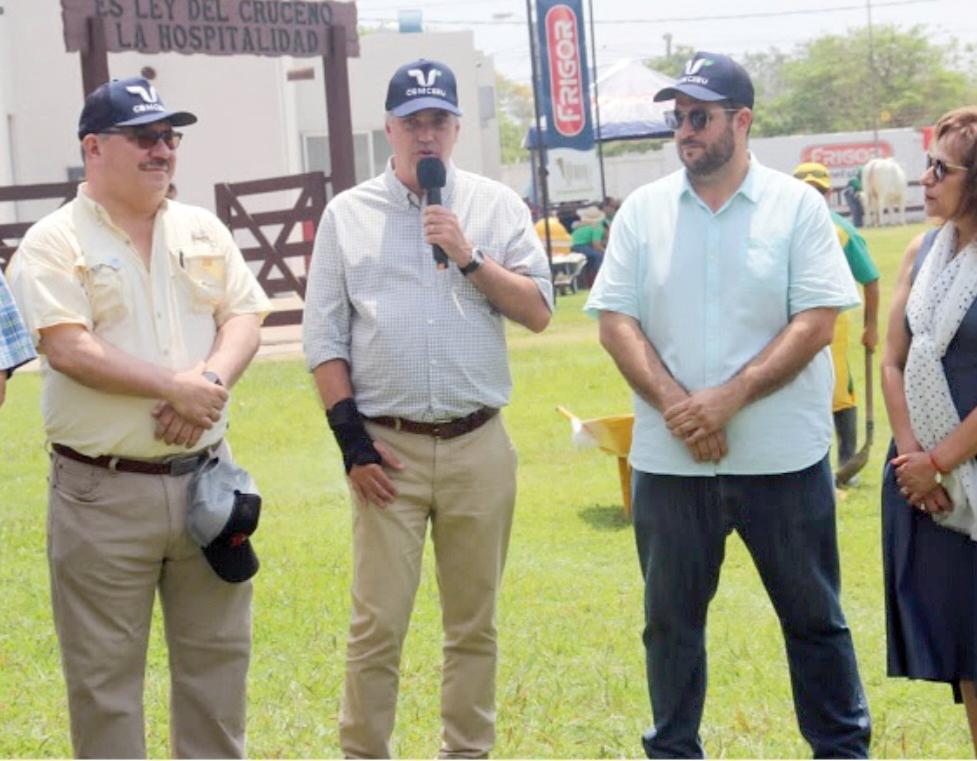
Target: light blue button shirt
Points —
{"points": [[710, 291]]}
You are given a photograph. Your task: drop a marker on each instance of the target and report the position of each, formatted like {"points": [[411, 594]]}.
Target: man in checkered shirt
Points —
{"points": [[16, 347], [410, 361]]}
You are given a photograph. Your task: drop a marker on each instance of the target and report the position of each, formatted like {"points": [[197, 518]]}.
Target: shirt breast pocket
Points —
{"points": [[106, 289], [203, 269]]}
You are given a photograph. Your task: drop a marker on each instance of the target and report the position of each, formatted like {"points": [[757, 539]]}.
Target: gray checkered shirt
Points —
{"points": [[421, 343]]}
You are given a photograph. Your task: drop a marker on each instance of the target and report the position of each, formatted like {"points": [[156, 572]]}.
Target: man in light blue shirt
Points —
{"points": [[717, 301]]}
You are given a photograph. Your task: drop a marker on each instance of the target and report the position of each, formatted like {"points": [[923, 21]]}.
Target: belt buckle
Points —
{"points": [[436, 430]]}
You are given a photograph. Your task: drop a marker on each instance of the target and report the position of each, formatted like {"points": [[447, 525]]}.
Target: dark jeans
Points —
{"points": [[787, 522], [594, 259]]}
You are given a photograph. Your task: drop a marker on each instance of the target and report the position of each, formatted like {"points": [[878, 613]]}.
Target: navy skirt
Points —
{"points": [[930, 592]]}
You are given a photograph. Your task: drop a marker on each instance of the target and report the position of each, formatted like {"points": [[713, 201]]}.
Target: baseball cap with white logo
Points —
{"points": [[712, 76], [126, 103], [422, 84]]}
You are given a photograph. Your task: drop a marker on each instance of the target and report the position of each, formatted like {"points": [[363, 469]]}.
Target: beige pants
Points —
{"points": [[113, 540], [466, 488]]}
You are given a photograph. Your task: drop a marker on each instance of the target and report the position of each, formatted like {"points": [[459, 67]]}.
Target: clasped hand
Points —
{"points": [[699, 419], [192, 405], [916, 477]]}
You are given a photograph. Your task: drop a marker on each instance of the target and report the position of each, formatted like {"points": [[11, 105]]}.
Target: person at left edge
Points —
{"points": [[145, 315], [16, 348], [410, 362]]}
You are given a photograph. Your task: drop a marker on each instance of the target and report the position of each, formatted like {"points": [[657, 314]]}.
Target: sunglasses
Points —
{"points": [[698, 118], [942, 168], [146, 139]]}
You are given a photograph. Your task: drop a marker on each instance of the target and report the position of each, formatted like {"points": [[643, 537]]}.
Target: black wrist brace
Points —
{"points": [[354, 442]]}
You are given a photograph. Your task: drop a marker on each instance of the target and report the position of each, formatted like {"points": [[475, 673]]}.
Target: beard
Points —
{"points": [[713, 156]]}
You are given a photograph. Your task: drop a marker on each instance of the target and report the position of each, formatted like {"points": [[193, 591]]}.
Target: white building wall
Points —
{"points": [[251, 118]]}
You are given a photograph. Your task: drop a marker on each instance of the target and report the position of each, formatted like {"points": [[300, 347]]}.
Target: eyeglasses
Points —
{"points": [[698, 118], [941, 168], [146, 139]]}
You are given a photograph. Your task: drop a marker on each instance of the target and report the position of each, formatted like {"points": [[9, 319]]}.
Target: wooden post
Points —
{"points": [[339, 113], [94, 58]]}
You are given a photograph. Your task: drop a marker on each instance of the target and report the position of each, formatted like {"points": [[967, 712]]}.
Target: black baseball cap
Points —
{"points": [[126, 103], [422, 84], [712, 76], [223, 514]]}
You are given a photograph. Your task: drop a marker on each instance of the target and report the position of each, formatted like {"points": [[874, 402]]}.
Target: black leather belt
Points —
{"points": [[449, 429], [175, 466]]}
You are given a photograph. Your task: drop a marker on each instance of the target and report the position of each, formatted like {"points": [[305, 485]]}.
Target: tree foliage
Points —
{"points": [[833, 84], [890, 78], [514, 108]]}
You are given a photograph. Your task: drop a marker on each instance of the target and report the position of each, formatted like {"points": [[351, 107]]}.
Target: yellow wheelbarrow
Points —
{"points": [[610, 434]]}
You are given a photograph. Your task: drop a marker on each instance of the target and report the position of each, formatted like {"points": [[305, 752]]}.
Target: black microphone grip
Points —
{"points": [[440, 257]]}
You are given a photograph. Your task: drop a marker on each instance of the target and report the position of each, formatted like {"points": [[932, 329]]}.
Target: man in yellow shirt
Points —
{"points": [[145, 314], [863, 269]]}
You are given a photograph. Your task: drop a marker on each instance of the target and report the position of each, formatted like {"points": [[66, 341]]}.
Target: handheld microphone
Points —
{"points": [[431, 177]]}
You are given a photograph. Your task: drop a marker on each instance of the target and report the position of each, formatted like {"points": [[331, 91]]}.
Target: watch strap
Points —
{"points": [[477, 258]]}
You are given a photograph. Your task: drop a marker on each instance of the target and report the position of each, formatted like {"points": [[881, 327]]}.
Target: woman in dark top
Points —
{"points": [[929, 380]]}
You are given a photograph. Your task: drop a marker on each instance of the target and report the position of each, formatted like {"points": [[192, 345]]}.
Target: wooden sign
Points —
{"points": [[212, 27]]}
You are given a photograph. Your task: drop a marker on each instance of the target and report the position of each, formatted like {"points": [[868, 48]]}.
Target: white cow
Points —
{"points": [[884, 184]]}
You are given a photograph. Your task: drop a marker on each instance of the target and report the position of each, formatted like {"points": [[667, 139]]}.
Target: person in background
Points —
{"points": [[853, 198], [609, 206], [560, 240], [587, 238], [567, 214], [844, 403], [929, 488], [16, 347]]}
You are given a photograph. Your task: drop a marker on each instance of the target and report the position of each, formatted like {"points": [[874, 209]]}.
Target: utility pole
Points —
{"points": [[873, 77], [668, 44], [543, 185]]}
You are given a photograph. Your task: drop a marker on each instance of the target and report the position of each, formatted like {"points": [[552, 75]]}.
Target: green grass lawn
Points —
{"points": [[571, 680]]}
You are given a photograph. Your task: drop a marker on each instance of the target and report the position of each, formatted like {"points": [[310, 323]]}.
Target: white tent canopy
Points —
{"points": [[626, 92]]}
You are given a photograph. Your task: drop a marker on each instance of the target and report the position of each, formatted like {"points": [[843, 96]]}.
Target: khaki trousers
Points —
{"points": [[466, 488], [113, 540]]}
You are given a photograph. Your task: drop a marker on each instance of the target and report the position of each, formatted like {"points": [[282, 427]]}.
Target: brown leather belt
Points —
{"points": [[176, 466], [449, 429]]}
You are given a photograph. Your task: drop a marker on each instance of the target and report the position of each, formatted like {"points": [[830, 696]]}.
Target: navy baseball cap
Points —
{"points": [[126, 103], [712, 76], [422, 84]]}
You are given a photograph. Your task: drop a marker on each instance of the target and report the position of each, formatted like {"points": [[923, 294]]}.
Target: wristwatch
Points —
{"points": [[477, 258], [212, 377]]}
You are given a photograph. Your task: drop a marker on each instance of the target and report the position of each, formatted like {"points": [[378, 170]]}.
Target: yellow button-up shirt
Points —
{"points": [[77, 266]]}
